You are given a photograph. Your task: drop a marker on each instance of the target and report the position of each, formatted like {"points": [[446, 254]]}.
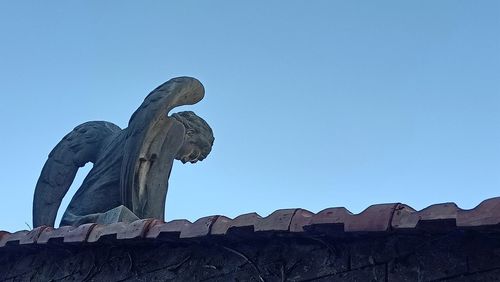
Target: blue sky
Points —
{"points": [[313, 104]]}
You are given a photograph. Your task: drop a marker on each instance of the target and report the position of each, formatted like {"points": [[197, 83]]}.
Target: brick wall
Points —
{"points": [[246, 256]]}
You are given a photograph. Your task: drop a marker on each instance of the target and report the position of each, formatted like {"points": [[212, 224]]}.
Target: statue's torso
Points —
{"points": [[100, 190]]}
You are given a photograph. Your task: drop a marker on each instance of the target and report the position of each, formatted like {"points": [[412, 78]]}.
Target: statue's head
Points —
{"points": [[198, 139]]}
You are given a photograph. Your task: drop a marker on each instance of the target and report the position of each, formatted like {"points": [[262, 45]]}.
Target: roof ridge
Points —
{"points": [[380, 218]]}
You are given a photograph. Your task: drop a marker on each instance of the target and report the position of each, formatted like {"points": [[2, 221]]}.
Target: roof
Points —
{"points": [[376, 219]]}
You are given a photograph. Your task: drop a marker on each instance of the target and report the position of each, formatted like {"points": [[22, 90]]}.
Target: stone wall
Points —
{"points": [[454, 256]]}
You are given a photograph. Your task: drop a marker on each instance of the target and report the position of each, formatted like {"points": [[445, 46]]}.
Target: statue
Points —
{"points": [[129, 179]]}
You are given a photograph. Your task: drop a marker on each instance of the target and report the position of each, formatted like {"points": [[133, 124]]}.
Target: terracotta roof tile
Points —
{"points": [[221, 225], [486, 213], [22, 237], [120, 230], [136, 229], [170, 229], [225, 225], [3, 234], [376, 218], [79, 234], [300, 219], [50, 233], [199, 228], [407, 218], [12, 237], [334, 218], [279, 220], [110, 230]]}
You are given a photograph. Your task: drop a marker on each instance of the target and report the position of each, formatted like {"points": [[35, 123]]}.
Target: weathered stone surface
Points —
{"points": [[129, 179], [456, 256]]}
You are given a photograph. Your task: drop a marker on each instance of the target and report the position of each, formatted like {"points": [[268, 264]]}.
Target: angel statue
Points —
{"points": [[129, 179]]}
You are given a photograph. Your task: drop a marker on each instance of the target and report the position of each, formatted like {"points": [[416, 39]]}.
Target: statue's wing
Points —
{"points": [[78, 147], [152, 140]]}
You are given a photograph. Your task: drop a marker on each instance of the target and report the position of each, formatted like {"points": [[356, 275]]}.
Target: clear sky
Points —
{"points": [[314, 104]]}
